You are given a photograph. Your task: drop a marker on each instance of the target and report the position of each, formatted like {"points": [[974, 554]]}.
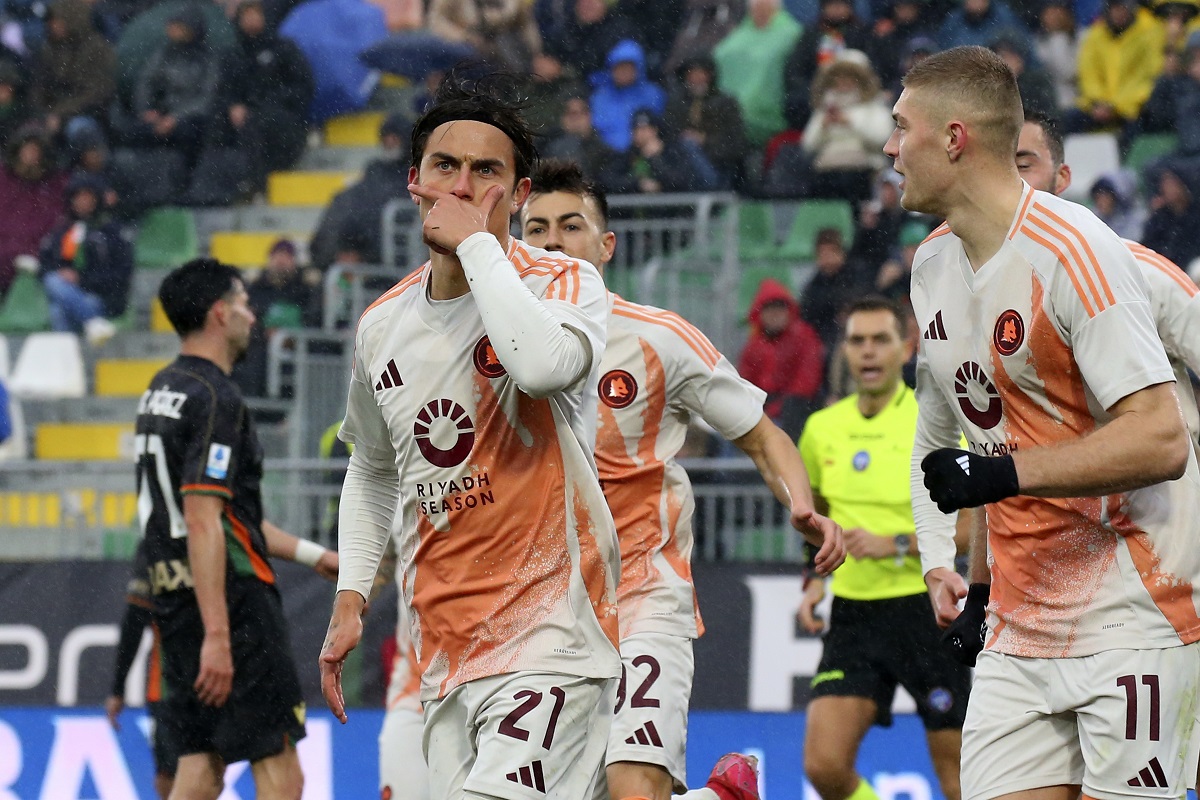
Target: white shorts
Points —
{"points": [[1120, 723], [402, 770], [650, 724], [522, 736]]}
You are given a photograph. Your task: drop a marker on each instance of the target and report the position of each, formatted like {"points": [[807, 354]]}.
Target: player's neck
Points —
{"points": [[871, 404], [216, 351], [984, 212], [447, 279]]}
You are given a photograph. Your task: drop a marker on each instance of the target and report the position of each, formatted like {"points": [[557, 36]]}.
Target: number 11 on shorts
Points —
{"points": [[1130, 684]]}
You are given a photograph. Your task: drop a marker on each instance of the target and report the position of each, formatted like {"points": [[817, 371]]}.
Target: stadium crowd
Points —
{"points": [[189, 102]]}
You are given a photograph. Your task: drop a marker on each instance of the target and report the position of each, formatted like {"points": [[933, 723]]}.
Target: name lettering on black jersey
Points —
{"points": [[162, 403], [390, 379]]}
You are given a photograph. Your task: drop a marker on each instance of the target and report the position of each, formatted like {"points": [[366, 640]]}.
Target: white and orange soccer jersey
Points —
{"points": [[404, 685], [1175, 302], [1029, 352], [507, 553], [658, 371]]}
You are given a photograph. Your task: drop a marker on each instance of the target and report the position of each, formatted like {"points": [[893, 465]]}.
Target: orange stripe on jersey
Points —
{"points": [[1074, 233], [1172, 594], [1021, 215], [940, 230], [262, 570], [413, 277], [1164, 265], [205, 488], [686, 331], [1048, 555], [633, 486], [1066, 264], [154, 673], [412, 686]]}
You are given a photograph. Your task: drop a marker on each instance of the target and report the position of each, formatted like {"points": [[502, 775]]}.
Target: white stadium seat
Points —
{"points": [[1089, 155], [50, 366]]}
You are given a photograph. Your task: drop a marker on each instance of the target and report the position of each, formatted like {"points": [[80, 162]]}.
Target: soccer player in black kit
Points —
{"points": [[231, 690]]}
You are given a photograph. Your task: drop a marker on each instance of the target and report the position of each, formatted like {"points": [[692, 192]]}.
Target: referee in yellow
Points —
{"points": [[882, 631]]}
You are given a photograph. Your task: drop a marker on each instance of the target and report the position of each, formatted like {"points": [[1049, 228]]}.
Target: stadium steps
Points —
{"points": [[338, 159], [84, 441], [306, 188], [125, 377], [354, 130]]}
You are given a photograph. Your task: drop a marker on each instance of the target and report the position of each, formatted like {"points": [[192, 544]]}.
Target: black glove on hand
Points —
{"points": [[958, 479], [964, 637]]}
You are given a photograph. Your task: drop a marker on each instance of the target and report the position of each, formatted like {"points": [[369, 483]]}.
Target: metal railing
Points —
{"points": [[677, 251], [310, 370], [349, 289], [54, 510]]}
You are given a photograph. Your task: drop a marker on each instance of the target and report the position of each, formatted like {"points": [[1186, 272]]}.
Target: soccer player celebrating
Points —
{"points": [[1040, 346], [232, 691], [882, 631], [471, 403], [658, 371]]}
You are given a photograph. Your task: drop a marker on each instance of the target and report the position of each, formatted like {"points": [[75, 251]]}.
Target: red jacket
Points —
{"points": [[791, 364]]}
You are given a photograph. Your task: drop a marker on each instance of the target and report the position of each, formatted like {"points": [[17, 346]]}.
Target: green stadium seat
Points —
{"points": [[756, 231], [166, 238], [26, 309], [1149, 146], [812, 216], [762, 544]]}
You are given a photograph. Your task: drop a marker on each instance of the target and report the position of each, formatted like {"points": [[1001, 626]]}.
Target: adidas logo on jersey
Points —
{"points": [[390, 378], [530, 776], [646, 735], [1150, 776], [964, 461], [936, 329]]}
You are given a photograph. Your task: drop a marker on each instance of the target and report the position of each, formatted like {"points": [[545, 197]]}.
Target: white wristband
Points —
{"points": [[308, 553]]}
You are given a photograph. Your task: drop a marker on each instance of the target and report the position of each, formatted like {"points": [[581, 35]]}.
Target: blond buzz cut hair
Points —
{"points": [[976, 84]]}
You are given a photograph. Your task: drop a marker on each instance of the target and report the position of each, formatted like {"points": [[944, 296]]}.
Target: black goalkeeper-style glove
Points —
{"points": [[958, 479], [964, 637]]}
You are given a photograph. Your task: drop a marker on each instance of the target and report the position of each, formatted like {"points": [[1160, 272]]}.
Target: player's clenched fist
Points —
{"points": [[964, 638], [452, 218], [958, 479]]}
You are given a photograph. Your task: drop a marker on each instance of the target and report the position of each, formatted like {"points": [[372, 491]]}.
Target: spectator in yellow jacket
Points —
{"points": [[1119, 59]]}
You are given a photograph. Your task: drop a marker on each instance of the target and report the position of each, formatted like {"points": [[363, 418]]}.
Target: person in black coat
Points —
{"points": [[1174, 225], [699, 113], [837, 29], [587, 40], [266, 87], [358, 208], [85, 263]]}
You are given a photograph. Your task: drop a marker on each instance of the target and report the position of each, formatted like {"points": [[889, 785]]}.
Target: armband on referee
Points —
{"points": [[308, 553]]}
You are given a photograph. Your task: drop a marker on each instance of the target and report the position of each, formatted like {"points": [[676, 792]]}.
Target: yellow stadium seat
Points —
{"points": [[84, 441], [354, 130], [125, 377], [306, 188], [245, 249], [158, 318]]}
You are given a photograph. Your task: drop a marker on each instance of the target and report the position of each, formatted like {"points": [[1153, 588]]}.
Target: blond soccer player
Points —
{"points": [[1042, 350], [657, 372]]}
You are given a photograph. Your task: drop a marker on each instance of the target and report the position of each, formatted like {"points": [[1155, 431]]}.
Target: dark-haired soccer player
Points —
{"points": [[1039, 345], [657, 372], [232, 691], [471, 403]]}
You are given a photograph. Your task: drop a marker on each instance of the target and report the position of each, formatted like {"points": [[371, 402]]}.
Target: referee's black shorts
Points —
{"points": [[874, 645], [265, 711]]}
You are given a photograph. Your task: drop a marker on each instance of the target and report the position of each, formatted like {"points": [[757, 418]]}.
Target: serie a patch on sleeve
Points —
{"points": [[218, 461]]}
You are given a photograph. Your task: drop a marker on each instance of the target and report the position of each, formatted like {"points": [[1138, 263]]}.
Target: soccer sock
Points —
{"points": [[863, 792], [699, 794]]}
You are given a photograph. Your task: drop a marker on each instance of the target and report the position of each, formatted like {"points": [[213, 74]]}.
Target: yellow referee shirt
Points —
{"points": [[861, 466]]}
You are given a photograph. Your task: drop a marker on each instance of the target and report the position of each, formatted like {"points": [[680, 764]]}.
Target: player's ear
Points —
{"points": [[1062, 178], [608, 242], [520, 194], [956, 139], [413, 174]]}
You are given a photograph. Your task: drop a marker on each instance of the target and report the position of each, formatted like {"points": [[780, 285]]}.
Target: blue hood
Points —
{"points": [[628, 50]]}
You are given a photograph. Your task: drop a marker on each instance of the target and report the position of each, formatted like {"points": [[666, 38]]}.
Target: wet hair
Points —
{"points": [[559, 175], [189, 291], [491, 98], [976, 79], [1052, 132], [877, 302]]}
